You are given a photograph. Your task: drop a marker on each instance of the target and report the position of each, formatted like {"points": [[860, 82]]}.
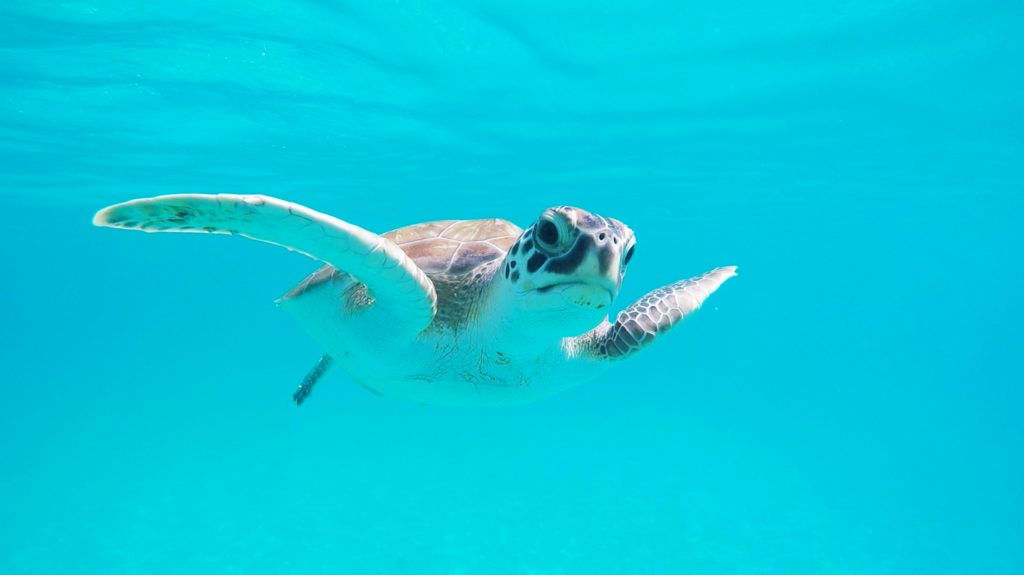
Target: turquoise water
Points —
{"points": [[851, 403]]}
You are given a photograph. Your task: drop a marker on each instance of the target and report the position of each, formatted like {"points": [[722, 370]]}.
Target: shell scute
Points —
{"points": [[448, 251], [471, 255], [455, 247], [431, 255], [418, 232]]}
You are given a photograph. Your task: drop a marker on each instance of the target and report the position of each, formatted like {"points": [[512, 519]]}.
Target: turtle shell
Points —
{"points": [[446, 251], [455, 247]]}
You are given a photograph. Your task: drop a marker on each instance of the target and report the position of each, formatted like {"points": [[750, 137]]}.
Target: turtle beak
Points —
{"points": [[585, 294], [603, 265]]}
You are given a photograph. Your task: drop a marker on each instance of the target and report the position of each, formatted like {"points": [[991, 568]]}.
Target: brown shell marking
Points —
{"points": [[455, 247], [444, 250]]}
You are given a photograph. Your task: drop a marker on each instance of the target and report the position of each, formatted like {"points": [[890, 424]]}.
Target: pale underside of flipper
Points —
{"points": [[400, 289], [650, 316]]}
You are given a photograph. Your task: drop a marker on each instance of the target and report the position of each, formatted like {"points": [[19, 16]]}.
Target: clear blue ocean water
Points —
{"points": [[850, 404]]}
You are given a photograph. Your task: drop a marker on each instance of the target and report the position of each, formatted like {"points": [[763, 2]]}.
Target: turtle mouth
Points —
{"points": [[552, 287], [587, 293]]}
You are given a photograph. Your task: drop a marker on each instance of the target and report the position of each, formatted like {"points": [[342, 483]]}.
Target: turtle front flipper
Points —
{"points": [[402, 293], [652, 315]]}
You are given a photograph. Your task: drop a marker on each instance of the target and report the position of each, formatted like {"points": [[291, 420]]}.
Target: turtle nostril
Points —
{"points": [[615, 240], [601, 236]]}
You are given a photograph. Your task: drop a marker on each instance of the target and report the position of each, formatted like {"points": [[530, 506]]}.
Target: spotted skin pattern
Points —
{"points": [[655, 313]]}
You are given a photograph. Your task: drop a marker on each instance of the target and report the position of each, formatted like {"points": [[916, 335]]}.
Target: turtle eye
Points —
{"points": [[553, 233], [629, 255], [547, 233]]}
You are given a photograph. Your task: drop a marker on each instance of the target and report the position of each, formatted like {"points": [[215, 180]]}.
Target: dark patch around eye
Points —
{"points": [[605, 257], [536, 260], [528, 246], [515, 276], [569, 262], [508, 269], [513, 264], [629, 254], [515, 248]]}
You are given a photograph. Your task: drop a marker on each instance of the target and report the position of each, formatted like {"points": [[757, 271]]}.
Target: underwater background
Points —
{"points": [[851, 403]]}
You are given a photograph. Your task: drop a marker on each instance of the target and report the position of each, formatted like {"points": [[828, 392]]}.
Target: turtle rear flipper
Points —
{"points": [[402, 293], [314, 375]]}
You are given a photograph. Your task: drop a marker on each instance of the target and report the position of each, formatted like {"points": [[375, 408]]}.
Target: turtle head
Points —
{"points": [[566, 269]]}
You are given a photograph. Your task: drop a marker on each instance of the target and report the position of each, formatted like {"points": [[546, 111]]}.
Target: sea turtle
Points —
{"points": [[465, 312]]}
